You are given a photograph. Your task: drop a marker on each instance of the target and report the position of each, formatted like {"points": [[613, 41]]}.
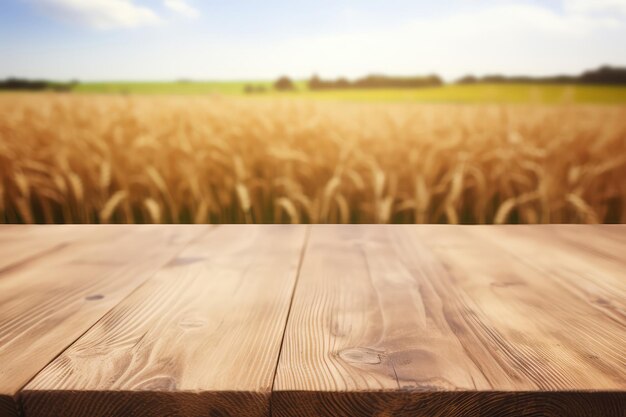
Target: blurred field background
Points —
{"points": [[218, 156], [406, 111]]}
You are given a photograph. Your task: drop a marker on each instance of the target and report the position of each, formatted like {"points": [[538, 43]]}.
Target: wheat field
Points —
{"points": [[123, 159]]}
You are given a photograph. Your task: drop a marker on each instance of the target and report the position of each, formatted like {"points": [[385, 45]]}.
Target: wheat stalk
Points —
{"points": [[135, 159]]}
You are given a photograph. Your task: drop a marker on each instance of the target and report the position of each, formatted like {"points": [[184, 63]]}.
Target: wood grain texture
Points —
{"points": [[589, 266], [200, 338], [385, 320], [449, 404], [48, 301], [21, 244], [531, 320], [450, 321]]}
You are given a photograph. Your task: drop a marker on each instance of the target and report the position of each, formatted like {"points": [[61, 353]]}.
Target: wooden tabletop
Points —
{"points": [[323, 320]]}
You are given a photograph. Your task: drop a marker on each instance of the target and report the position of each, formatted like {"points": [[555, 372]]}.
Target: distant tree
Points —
{"points": [[376, 81], [23, 84], [383, 81], [468, 79], [495, 78], [315, 83], [284, 84], [342, 83], [35, 85], [605, 75]]}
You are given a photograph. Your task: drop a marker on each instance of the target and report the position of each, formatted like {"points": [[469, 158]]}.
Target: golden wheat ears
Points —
{"points": [[101, 159]]}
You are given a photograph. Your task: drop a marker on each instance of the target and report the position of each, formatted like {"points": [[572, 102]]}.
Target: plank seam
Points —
{"points": [[293, 294], [18, 396]]}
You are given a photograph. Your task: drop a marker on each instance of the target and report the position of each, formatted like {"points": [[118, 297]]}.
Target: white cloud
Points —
{"points": [[595, 6], [507, 38], [100, 14], [182, 7]]}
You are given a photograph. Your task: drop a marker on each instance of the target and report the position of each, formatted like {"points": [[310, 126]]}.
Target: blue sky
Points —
{"points": [[233, 39]]}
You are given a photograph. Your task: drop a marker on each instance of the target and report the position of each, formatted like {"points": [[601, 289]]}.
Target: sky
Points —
{"points": [[100, 40]]}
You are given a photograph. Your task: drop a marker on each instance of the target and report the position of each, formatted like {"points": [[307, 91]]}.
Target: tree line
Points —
{"points": [[35, 85], [284, 83], [605, 75], [376, 81]]}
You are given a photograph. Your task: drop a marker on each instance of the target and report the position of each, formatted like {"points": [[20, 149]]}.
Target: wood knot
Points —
{"points": [[506, 284], [361, 355], [94, 297], [190, 323], [184, 261], [602, 302]]}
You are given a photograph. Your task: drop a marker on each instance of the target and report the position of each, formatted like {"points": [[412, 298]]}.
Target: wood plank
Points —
{"points": [[20, 244], [437, 321], [201, 338], [48, 302], [586, 265], [543, 333], [607, 240]]}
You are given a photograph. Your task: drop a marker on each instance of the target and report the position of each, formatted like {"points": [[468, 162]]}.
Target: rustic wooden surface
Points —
{"points": [[209, 324], [321, 320], [409, 312], [48, 301]]}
